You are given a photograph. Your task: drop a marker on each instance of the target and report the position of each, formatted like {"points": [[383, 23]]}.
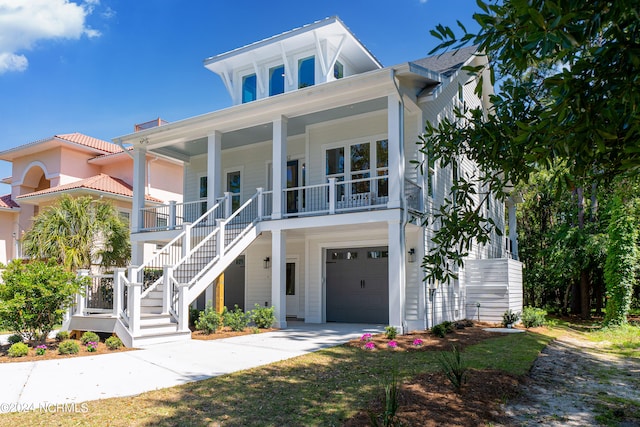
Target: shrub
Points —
{"points": [[88, 337], [68, 347], [113, 343], [235, 319], [449, 326], [391, 332], [454, 368], [41, 350], [15, 338], [194, 315], [533, 317], [209, 321], [510, 317], [62, 335], [35, 296], [18, 349], [439, 330], [263, 317]]}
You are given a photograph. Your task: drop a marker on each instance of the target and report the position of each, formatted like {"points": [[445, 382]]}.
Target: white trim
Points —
{"points": [[226, 171], [42, 166]]}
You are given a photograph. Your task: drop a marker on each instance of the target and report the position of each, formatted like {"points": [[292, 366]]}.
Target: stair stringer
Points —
{"points": [[221, 265]]}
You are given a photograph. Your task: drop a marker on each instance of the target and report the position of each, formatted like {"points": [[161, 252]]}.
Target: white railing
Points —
{"points": [[171, 216]]}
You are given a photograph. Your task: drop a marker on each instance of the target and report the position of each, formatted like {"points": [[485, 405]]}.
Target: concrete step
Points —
{"points": [[162, 337]]}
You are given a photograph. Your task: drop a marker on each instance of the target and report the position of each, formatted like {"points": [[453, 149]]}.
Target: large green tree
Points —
{"points": [[78, 233], [568, 74]]}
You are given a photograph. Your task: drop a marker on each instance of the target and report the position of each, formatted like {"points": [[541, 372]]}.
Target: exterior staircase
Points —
{"points": [[157, 310]]}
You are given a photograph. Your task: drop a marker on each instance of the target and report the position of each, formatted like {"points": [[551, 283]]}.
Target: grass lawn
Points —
{"points": [[323, 388]]}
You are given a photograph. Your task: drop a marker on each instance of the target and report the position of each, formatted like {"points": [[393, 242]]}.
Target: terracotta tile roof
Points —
{"points": [[7, 202], [102, 182], [89, 141]]}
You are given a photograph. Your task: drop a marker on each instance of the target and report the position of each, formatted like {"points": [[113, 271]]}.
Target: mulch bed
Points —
{"points": [[52, 352], [226, 332]]}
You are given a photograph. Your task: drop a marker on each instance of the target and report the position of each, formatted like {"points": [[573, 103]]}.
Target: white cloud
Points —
{"points": [[25, 22]]}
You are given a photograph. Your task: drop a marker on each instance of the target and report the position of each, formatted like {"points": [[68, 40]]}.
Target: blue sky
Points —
{"points": [[100, 66]]}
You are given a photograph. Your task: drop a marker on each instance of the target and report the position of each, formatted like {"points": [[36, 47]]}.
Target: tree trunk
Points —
{"points": [[584, 273]]}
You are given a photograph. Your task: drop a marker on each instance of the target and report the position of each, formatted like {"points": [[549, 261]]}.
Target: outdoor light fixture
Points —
{"points": [[412, 255], [267, 263]]}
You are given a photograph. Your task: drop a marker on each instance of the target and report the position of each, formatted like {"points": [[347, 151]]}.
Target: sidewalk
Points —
{"points": [[129, 373]]}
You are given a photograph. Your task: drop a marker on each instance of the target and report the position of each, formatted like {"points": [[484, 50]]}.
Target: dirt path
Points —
{"points": [[576, 383]]}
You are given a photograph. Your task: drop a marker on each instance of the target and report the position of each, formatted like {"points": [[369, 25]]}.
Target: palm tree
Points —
{"points": [[78, 233]]}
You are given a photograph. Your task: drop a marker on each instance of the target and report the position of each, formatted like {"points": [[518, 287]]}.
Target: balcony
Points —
{"points": [[333, 197]]}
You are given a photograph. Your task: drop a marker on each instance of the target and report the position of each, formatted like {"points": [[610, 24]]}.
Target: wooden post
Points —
{"points": [[219, 293]]}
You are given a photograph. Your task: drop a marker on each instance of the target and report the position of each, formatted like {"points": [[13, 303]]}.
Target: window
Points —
{"points": [[125, 217], [291, 278], [382, 166], [306, 72], [360, 166], [202, 193], [249, 88], [338, 70], [276, 80], [431, 173], [234, 187]]}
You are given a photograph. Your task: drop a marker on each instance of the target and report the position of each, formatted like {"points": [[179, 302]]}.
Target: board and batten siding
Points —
{"points": [[495, 284]]}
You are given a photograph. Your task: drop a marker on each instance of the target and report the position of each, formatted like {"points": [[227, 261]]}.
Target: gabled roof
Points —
{"points": [[100, 183], [6, 202], [449, 62], [78, 140]]}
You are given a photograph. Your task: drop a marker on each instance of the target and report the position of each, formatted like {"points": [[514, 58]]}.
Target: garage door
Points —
{"points": [[358, 285]]}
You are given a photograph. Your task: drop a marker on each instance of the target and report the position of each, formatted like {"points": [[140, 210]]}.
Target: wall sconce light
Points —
{"points": [[267, 263], [412, 255]]}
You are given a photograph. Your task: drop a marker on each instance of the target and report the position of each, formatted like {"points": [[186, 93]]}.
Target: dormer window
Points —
{"points": [[306, 72], [249, 88], [338, 70], [276, 80]]}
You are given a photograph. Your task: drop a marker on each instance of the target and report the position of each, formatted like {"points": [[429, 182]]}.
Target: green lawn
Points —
{"points": [[323, 388]]}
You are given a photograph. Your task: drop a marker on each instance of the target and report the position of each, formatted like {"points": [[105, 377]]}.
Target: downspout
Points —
{"points": [[405, 215]]}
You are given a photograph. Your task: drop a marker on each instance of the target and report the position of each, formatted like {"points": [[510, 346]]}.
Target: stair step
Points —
{"points": [[151, 309], [157, 338], [155, 319], [158, 329], [151, 302]]}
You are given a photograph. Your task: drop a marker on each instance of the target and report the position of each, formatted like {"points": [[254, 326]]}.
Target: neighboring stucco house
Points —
{"points": [[77, 165], [302, 195]]}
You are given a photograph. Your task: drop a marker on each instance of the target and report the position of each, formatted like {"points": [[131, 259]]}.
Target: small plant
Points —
{"points": [[391, 332], [392, 344], [92, 346], [88, 337], [533, 317], [62, 335], [68, 347], [263, 317], [15, 338], [209, 321], [255, 330], [454, 368], [439, 330], [18, 349], [236, 319], [510, 317], [370, 345], [113, 343], [391, 402], [417, 342], [194, 315], [366, 337], [449, 326], [41, 350]]}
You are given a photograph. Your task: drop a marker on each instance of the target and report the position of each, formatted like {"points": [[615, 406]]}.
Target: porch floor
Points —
{"points": [[164, 365]]}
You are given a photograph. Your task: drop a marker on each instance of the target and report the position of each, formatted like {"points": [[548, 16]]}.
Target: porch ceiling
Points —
{"points": [[264, 132]]}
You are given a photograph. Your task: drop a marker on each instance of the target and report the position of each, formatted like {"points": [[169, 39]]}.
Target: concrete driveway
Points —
{"points": [[74, 380]]}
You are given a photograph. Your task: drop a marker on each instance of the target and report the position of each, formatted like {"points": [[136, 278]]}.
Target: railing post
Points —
{"points": [[332, 196], [228, 204], [186, 244], [220, 242], [260, 203], [172, 215], [183, 307], [167, 274], [134, 305], [117, 290], [82, 300]]}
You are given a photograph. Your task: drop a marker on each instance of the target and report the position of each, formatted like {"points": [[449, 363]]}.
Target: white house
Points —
{"points": [[302, 196]]}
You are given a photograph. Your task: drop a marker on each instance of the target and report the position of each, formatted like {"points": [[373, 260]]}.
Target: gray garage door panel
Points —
{"points": [[357, 285]]}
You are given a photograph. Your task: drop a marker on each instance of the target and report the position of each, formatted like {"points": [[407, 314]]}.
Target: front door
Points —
{"points": [[292, 289], [292, 182]]}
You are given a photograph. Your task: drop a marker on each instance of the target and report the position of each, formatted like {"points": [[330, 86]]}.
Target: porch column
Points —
{"points": [[139, 174], [214, 166], [279, 165], [397, 276], [396, 151], [513, 230], [279, 277]]}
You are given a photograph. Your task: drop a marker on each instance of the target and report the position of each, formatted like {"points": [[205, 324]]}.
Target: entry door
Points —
{"points": [[292, 182], [357, 285], [292, 289]]}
